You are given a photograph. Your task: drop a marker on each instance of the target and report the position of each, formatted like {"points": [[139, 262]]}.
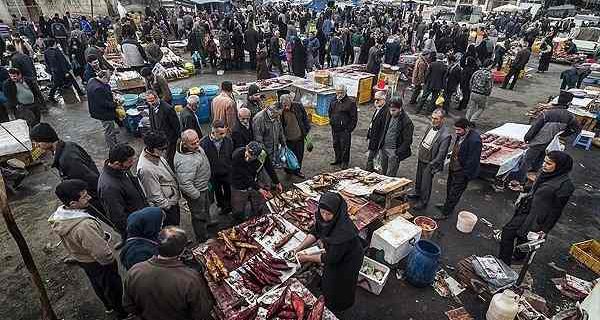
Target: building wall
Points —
{"points": [[50, 7]]}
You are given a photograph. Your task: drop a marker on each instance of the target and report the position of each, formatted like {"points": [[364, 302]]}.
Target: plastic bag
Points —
{"points": [[308, 142], [555, 144], [377, 162], [440, 100], [290, 160], [457, 96]]}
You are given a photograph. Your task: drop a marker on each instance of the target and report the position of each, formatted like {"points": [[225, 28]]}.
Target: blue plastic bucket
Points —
{"points": [[209, 92], [130, 100], [423, 263]]}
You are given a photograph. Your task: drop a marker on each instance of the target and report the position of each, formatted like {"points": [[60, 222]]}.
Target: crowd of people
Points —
{"points": [[236, 164]]}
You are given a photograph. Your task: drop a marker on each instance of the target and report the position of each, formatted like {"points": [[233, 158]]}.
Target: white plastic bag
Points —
{"points": [[555, 144]]}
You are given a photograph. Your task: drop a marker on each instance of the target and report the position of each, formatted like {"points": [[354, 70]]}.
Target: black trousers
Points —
{"points": [[508, 238], [171, 148], [297, 148], [466, 92], [498, 61], [434, 93], [514, 73], [172, 216], [4, 113], [532, 160], [222, 189], [457, 184], [341, 146], [107, 284], [448, 97], [424, 181], [415, 93]]}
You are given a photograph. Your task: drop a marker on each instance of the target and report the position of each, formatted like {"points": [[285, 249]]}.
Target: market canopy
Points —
{"points": [[507, 8]]}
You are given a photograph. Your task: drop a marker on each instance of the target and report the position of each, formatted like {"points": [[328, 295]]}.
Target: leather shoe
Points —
{"points": [[440, 206], [345, 166], [335, 163], [299, 174]]}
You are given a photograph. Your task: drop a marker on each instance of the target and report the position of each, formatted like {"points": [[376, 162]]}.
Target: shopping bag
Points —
{"points": [[291, 162], [457, 96], [377, 162], [440, 100], [308, 142]]}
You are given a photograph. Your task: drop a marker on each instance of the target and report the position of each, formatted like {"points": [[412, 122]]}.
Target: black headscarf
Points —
{"points": [[340, 229], [564, 164]]}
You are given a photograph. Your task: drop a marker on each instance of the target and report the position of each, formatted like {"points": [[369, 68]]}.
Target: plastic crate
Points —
{"points": [[588, 253], [323, 101], [368, 282], [320, 120]]}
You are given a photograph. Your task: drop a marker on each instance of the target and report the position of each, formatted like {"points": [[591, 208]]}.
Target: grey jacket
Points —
{"points": [[439, 147], [269, 132], [549, 123], [158, 181], [193, 171]]}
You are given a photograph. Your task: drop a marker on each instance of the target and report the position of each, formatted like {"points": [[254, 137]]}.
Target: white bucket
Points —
{"points": [[466, 221]]}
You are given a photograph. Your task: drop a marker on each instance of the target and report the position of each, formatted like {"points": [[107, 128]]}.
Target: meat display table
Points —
{"points": [[504, 160]]}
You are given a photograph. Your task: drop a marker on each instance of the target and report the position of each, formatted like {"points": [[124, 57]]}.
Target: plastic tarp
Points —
{"points": [[8, 132], [318, 5]]}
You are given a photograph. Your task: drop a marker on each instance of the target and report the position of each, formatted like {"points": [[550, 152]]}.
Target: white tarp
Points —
{"points": [[507, 8], [8, 144]]}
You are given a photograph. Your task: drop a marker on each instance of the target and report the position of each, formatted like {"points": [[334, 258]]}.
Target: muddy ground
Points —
{"points": [[73, 298]]}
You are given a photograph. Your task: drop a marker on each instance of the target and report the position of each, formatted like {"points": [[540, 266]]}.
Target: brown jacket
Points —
{"points": [[82, 236], [421, 66], [161, 289], [161, 86], [224, 108]]}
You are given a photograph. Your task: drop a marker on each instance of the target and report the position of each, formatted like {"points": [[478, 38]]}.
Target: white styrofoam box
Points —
{"points": [[396, 239], [368, 282]]}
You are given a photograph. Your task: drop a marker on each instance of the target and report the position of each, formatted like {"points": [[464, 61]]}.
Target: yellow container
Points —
{"points": [[320, 120], [588, 253], [364, 90]]}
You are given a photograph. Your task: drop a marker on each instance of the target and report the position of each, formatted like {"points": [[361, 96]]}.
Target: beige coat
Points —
{"points": [[158, 181], [224, 108], [418, 77]]}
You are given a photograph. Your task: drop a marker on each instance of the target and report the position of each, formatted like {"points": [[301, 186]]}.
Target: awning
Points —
{"points": [[208, 1], [507, 8]]}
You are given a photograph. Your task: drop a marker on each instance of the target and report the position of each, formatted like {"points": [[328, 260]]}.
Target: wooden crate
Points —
{"points": [[365, 87], [588, 253]]}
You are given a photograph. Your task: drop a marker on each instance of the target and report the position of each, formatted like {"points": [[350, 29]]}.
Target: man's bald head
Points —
{"points": [[244, 113], [190, 140]]}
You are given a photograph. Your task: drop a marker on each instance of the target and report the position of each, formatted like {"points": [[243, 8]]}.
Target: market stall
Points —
{"points": [[250, 269], [316, 98], [127, 81], [358, 82], [502, 148], [268, 87]]}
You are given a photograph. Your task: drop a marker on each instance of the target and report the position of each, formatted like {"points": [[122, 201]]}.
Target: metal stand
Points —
{"points": [[531, 248]]}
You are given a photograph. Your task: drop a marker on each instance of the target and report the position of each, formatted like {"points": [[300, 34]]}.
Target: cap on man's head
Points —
{"points": [[254, 148], [43, 132]]}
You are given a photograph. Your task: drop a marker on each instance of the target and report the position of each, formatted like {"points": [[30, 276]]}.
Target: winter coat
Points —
{"points": [[269, 132], [244, 174], [160, 289], [220, 160], [453, 77], [166, 120], [301, 117], [121, 194], [404, 135], [521, 59], [469, 154], [252, 40], [193, 171], [374, 60], [343, 114], [549, 123], [189, 120], [377, 122], [262, 69], [158, 181], [241, 135], [101, 104], [436, 75], [421, 67], [82, 236], [143, 227], [73, 162], [481, 82], [224, 108], [10, 92], [439, 147], [161, 86], [57, 63]]}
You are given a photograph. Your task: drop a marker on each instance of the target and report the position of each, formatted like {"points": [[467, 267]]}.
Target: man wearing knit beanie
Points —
{"points": [[72, 162]]}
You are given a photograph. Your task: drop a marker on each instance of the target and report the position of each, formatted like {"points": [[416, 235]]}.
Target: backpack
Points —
{"points": [[59, 30], [482, 82]]}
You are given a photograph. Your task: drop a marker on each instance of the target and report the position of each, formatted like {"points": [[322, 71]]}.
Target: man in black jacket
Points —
{"points": [[242, 132], [247, 163], [72, 162], [24, 97], [343, 119], [163, 117], [218, 148], [252, 40], [22, 62], [452, 80], [119, 191], [377, 121], [296, 126], [392, 137], [102, 106], [464, 166], [517, 66], [188, 116], [60, 69], [434, 83]]}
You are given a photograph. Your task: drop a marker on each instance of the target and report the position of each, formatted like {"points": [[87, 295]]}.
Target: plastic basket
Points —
{"points": [[320, 120], [498, 76], [588, 253]]}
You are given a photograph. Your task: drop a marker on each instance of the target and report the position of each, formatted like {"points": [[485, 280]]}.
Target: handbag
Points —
{"points": [[291, 162], [308, 142]]}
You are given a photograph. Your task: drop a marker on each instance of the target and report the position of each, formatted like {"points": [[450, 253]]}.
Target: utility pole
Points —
{"points": [[92, 8], [11, 225]]}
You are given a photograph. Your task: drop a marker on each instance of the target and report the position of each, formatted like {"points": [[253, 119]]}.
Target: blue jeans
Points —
{"points": [[335, 61]]}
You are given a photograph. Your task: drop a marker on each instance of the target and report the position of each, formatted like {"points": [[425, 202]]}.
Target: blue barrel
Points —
{"points": [[209, 92], [423, 263], [130, 100], [178, 96]]}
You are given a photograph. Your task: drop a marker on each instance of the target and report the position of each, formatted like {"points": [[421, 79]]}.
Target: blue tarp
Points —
{"points": [[318, 5]]}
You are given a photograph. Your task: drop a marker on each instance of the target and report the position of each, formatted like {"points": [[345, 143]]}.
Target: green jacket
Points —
{"points": [[357, 39]]}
